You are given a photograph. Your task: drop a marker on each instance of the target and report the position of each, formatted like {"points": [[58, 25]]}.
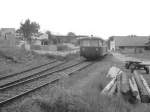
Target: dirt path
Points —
{"points": [[123, 58]]}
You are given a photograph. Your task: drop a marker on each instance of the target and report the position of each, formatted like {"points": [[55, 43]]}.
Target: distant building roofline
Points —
{"points": [[89, 38], [130, 40], [6, 28]]}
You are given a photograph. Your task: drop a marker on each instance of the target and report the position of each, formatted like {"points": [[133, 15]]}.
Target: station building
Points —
{"points": [[130, 43]]}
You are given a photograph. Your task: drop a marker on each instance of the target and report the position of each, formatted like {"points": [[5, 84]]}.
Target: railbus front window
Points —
{"points": [[85, 43], [100, 43], [94, 43]]}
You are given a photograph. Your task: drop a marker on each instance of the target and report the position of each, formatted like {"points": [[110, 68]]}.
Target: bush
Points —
{"points": [[36, 47], [60, 102], [62, 48], [62, 58]]}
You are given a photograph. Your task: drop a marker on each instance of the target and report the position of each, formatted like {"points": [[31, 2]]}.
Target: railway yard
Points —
{"points": [[19, 84], [52, 79]]}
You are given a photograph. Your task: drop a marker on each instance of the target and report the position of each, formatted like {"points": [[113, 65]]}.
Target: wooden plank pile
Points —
{"points": [[133, 85]]}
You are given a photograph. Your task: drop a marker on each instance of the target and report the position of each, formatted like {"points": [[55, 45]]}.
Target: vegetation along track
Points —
{"points": [[68, 70]]}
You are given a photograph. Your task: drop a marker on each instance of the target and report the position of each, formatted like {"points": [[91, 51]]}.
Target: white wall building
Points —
{"points": [[112, 45]]}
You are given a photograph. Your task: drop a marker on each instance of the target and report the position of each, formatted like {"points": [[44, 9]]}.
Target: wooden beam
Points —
{"points": [[124, 83], [113, 89], [134, 88], [109, 86], [118, 84]]}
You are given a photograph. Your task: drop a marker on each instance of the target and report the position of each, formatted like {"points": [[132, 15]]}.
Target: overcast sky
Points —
{"points": [[102, 18]]}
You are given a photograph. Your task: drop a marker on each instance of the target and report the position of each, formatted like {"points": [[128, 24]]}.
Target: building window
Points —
{"points": [[44, 42]]}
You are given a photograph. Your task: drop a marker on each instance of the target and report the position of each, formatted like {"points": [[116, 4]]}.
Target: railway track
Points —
{"points": [[54, 76], [26, 70], [24, 78]]}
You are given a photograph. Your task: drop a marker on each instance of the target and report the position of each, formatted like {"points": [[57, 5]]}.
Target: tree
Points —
{"points": [[71, 34], [28, 29], [18, 31]]}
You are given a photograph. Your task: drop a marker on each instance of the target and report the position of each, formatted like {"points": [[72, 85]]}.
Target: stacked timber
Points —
{"points": [[132, 85], [145, 97], [113, 72], [145, 84]]}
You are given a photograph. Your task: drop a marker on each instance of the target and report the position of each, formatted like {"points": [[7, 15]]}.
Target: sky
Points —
{"points": [[103, 18]]}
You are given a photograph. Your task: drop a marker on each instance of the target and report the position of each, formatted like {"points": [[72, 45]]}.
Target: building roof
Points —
{"points": [[131, 40], [7, 28], [90, 38]]}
